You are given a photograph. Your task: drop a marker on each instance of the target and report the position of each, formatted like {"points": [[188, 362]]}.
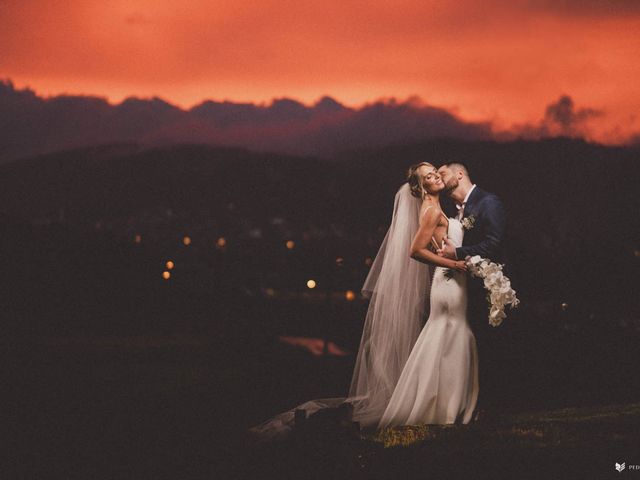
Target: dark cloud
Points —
{"points": [[562, 115], [561, 119], [635, 140], [30, 124]]}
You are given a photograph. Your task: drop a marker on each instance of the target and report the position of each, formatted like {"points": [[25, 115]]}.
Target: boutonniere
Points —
{"points": [[468, 222]]}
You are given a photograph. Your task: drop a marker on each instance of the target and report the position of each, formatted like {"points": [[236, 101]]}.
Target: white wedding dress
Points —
{"points": [[412, 376], [439, 382]]}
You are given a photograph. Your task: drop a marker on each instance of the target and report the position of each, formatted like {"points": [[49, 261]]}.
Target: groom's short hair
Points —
{"points": [[459, 166]]}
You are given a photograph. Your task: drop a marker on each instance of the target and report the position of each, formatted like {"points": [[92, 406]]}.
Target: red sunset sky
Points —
{"points": [[497, 60]]}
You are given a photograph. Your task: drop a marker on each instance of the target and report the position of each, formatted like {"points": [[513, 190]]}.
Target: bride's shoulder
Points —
{"points": [[429, 211], [426, 206]]}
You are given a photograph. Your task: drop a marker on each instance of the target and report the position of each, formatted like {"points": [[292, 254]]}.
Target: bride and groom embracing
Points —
{"points": [[408, 372]]}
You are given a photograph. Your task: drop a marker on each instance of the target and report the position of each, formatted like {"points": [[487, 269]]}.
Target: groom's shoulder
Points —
{"points": [[484, 195], [488, 199]]}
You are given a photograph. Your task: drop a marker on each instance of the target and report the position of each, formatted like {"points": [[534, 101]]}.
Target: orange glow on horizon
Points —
{"points": [[496, 61]]}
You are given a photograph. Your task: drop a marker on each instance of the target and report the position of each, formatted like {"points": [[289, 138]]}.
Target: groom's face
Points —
{"points": [[448, 177]]}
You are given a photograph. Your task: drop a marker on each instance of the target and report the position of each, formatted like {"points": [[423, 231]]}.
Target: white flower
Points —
{"points": [[475, 260], [496, 315], [468, 222], [497, 284]]}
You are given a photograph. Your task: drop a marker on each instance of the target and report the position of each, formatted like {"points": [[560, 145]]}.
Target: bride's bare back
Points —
{"points": [[440, 230], [432, 230]]}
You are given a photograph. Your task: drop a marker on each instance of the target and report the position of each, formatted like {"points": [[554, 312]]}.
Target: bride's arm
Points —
{"points": [[419, 250]]}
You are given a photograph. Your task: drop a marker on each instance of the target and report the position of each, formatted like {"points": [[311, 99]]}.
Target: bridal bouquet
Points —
{"points": [[497, 284]]}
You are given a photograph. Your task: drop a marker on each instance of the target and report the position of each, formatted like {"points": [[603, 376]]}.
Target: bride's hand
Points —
{"points": [[460, 266]]}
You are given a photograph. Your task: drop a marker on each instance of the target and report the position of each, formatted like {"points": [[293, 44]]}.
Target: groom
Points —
{"points": [[484, 220]]}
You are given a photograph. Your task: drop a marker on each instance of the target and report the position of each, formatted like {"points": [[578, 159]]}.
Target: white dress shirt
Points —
{"points": [[460, 207]]}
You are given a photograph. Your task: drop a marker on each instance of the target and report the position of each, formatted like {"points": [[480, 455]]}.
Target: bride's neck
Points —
{"points": [[432, 198]]}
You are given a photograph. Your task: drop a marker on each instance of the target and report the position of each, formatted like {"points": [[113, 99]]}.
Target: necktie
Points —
{"points": [[460, 210]]}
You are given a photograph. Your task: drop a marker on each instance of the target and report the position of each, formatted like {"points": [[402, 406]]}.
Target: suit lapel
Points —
{"points": [[469, 237], [471, 201]]}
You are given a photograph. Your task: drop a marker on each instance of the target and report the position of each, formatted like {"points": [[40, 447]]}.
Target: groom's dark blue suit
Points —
{"points": [[485, 238]]}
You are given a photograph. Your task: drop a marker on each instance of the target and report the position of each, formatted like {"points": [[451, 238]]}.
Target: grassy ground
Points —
{"points": [[178, 407], [563, 443]]}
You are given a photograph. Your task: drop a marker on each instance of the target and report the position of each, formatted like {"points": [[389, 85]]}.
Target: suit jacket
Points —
{"points": [[486, 236]]}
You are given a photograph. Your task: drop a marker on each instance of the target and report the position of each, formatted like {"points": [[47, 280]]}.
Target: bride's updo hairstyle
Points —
{"points": [[415, 180]]}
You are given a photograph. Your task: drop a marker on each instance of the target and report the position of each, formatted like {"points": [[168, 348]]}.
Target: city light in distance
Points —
{"points": [[166, 275], [311, 284], [368, 261], [350, 295], [291, 244], [221, 242], [170, 265], [186, 240], [339, 261], [137, 238]]}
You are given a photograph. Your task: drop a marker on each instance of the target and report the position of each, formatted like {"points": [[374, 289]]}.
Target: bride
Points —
{"points": [[439, 381], [402, 375]]}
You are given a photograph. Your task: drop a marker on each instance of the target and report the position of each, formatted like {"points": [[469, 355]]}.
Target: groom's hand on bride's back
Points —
{"points": [[448, 251]]}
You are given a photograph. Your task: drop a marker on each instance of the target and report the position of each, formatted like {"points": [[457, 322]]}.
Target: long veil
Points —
{"points": [[398, 288]]}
